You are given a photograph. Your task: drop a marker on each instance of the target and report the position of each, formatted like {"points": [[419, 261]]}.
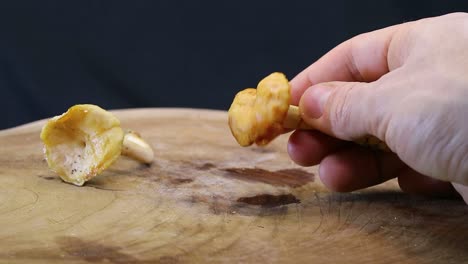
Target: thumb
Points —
{"points": [[344, 110]]}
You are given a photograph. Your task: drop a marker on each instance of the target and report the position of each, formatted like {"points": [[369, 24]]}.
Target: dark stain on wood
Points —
{"points": [[206, 166], [220, 204], [261, 205], [179, 181], [93, 252], [269, 200], [262, 150], [145, 165], [217, 204], [287, 177]]}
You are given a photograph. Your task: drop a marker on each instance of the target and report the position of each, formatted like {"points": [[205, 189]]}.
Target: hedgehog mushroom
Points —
{"points": [[257, 115], [85, 140], [260, 115]]}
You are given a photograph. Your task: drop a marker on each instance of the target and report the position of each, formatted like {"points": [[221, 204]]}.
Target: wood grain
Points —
{"points": [[205, 199]]}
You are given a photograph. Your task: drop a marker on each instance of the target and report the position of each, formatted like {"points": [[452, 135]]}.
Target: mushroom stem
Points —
{"points": [[135, 147], [293, 120]]}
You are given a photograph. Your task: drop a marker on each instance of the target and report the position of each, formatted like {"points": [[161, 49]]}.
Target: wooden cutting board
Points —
{"points": [[205, 199]]}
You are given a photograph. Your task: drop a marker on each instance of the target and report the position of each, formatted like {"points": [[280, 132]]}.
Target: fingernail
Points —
{"points": [[313, 101]]}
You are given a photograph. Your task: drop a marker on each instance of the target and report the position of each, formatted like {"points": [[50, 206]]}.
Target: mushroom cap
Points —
{"points": [[242, 117], [82, 142], [258, 115]]}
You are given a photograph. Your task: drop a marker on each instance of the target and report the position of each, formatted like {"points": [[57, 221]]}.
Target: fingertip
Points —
{"points": [[328, 171], [301, 150], [357, 167], [312, 102], [308, 148], [338, 172]]}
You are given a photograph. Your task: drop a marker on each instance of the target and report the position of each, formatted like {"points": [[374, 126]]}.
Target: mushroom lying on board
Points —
{"points": [[260, 115], [87, 139]]}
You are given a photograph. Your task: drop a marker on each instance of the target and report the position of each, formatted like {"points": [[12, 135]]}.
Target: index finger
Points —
{"points": [[364, 58]]}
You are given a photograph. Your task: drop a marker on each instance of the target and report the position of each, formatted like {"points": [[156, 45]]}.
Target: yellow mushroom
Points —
{"points": [[84, 141], [260, 115], [256, 115]]}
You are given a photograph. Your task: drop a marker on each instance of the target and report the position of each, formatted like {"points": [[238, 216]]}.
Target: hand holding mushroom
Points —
{"points": [[260, 115], [85, 140]]}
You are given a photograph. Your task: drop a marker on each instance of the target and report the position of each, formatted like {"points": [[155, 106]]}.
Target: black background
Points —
{"points": [[122, 54]]}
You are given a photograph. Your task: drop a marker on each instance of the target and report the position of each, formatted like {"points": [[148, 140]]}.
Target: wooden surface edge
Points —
{"points": [[121, 112]]}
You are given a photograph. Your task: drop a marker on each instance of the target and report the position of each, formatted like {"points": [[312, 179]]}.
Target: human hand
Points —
{"points": [[408, 86]]}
